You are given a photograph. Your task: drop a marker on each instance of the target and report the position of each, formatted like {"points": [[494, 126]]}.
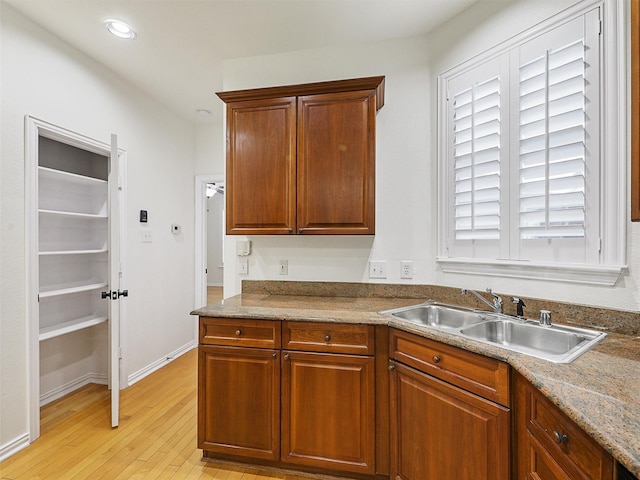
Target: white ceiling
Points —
{"points": [[178, 53]]}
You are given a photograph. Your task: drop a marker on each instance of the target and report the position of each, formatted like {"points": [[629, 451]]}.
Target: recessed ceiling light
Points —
{"points": [[120, 29]]}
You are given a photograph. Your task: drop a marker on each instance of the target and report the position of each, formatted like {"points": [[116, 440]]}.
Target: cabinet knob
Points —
{"points": [[327, 337], [392, 367], [274, 355], [561, 437], [436, 359], [238, 332], [286, 356]]}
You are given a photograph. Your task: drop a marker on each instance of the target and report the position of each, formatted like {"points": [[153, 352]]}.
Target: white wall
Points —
{"points": [[406, 160], [45, 78]]}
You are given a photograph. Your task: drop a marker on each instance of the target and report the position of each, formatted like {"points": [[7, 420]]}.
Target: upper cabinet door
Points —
{"points": [[261, 167], [336, 163]]}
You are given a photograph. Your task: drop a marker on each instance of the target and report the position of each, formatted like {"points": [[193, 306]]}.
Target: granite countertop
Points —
{"points": [[598, 390]]}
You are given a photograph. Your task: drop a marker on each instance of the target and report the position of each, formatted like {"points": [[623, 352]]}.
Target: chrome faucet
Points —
{"points": [[496, 306]]}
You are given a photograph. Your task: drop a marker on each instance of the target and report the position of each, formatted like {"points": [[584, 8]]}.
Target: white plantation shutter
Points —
{"points": [[552, 144], [476, 139], [524, 187]]}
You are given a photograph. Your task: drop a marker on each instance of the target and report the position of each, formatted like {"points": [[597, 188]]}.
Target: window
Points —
{"points": [[524, 178]]}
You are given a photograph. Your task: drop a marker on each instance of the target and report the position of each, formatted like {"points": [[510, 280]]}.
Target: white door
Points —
{"points": [[115, 274]]}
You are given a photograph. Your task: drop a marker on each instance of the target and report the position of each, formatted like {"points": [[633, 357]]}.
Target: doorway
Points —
{"points": [[75, 220], [209, 251]]}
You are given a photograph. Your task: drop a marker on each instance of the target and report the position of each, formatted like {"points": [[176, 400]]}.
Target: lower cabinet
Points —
{"points": [[318, 397], [439, 430], [328, 416], [310, 406], [239, 401], [550, 446]]}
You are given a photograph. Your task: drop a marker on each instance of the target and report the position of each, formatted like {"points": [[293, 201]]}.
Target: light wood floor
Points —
{"points": [[214, 294], [156, 438]]}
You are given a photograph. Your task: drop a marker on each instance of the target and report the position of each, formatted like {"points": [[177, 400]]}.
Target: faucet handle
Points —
{"points": [[545, 318]]}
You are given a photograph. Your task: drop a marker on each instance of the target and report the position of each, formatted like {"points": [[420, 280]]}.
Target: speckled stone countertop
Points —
{"points": [[598, 390]]}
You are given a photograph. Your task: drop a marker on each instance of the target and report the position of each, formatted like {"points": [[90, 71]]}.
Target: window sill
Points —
{"points": [[586, 274]]}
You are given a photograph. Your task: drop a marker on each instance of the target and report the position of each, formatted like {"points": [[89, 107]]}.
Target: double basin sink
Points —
{"points": [[555, 343]]}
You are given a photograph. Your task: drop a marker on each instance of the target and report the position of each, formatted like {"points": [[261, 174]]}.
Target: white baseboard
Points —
{"points": [[14, 446], [215, 285], [61, 391], [158, 364]]}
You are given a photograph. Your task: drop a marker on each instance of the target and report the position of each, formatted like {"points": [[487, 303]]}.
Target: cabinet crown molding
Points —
{"points": [[335, 86]]}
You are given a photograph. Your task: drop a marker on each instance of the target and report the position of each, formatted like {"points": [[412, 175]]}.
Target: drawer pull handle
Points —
{"points": [[436, 359], [327, 337], [561, 437], [238, 332]]}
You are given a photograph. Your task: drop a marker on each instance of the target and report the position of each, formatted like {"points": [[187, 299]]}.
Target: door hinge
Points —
{"points": [[119, 352]]}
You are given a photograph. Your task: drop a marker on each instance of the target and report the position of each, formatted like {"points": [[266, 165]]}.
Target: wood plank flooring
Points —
{"points": [[156, 438], [214, 295]]}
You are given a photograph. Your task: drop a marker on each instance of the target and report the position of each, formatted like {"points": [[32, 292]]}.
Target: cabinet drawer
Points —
{"points": [[240, 332], [475, 373], [571, 446], [328, 337]]}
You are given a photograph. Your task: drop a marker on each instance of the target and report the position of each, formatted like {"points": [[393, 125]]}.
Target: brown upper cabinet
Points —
{"points": [[301, 158], [635, 110]]}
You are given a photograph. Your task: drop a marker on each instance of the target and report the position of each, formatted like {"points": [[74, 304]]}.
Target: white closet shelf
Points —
{"points": [[61, 175], [57, 290], [70, 326], [73, 252], [70, 214]]}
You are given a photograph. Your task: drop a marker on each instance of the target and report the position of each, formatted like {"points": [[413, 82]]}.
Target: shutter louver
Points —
{"points": [[476, 124], [552, 144]]}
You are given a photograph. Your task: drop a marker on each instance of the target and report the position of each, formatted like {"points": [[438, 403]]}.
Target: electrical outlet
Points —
{"points": [[378, 269], [145, 236], [284, 267], [243, 266], [406, 269]]}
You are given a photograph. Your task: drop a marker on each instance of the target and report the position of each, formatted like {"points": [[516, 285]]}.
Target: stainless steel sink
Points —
{"points": [[439, 315], [556, 343]]}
